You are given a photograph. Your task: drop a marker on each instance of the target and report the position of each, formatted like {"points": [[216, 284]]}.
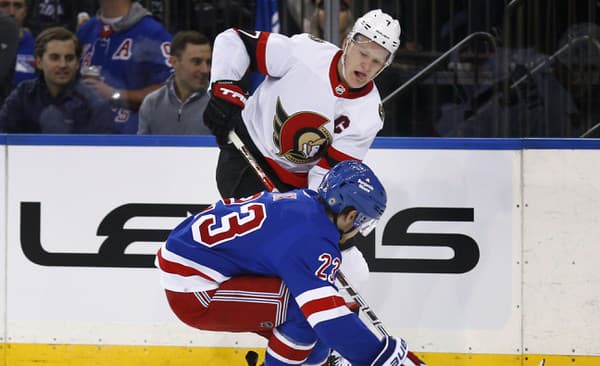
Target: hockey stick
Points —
{"points": [[341, 278], [344, 283]]}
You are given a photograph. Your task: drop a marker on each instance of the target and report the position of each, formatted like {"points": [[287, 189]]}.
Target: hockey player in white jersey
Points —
{"points": [[317, 106]]}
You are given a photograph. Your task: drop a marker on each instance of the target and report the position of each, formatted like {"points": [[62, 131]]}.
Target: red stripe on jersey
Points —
{"points": [[288, 352], [322, 304], [353, 306], [179, 269], [339, 88], [299, 180], [261, 53], [332, 157]]}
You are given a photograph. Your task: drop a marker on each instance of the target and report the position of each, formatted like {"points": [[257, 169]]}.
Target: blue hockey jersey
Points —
{"points": [[132, 54], [288, 235], [25, 65]]}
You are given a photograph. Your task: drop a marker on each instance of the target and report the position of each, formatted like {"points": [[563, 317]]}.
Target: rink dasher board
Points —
{"points": [[60, 173]]}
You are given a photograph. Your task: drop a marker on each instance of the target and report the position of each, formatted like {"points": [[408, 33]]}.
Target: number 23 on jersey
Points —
{"points": [[212, 229]]}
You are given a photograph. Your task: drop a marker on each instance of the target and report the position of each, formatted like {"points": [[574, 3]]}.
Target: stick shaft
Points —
{"points": [[364, 307], [237, 142]]}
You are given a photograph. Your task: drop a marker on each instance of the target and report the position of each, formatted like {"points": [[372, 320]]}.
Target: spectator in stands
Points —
{"points": [[9, 33], [208, 17], [468, 17], [25, 65], [346, 20], [59, 13], [128, 52], [177, 107], [57, 101], [299, 13]]}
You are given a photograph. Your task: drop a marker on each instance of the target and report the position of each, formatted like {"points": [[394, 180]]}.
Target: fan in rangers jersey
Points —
{"points": [[267, 264], [125, 57]]}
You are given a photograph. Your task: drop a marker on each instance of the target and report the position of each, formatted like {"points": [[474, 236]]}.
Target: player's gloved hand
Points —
{"points": [[224, 108], [393, 353]]}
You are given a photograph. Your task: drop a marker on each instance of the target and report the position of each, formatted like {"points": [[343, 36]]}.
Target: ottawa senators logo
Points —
{"points": [[302, 137]]}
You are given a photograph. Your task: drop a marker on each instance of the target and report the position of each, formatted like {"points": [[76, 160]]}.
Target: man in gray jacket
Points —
{"points": [[177, 107]]}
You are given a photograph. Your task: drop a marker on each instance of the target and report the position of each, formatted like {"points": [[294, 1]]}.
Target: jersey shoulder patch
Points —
{"points": [[285, 195]]}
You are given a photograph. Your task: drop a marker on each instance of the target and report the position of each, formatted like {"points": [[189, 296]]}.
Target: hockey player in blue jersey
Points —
{"points": [[127, 52], [267, 264]]}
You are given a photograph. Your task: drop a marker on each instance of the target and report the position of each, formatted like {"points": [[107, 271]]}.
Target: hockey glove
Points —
{"points": [[393, 353], [224, 108]]}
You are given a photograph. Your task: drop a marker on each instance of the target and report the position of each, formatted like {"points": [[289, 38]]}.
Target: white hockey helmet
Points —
{"points": [[380, 28]]}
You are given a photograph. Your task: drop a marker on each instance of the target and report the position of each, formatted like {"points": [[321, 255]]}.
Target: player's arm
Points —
{"points": [[310, 278], [236, 52], [343, 331]]}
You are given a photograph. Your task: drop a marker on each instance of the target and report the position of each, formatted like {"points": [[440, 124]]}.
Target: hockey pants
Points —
{"points": [[255, 304]]}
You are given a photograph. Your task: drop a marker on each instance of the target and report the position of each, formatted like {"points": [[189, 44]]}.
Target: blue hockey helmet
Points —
{"points": [[353, 184]]}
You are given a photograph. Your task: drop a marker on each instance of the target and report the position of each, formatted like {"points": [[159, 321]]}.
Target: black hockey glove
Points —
{"points": [[224, 108]]}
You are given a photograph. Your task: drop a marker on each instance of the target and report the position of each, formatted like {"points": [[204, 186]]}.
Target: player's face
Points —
{"points": [[364, 59], [192, 68], [14, 8], [59, 63]]}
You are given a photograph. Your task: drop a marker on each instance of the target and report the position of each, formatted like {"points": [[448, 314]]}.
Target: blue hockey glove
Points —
{"points": [[393, 353]]}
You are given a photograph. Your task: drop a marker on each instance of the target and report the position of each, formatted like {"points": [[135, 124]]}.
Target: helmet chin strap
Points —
{"points": [[344, 60]]}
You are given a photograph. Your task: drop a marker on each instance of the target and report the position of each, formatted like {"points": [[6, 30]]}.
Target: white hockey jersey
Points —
{"points": [[302, 118]]}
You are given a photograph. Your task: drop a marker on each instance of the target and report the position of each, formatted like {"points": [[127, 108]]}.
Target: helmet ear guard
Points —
{"points": [[353, 184]]}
